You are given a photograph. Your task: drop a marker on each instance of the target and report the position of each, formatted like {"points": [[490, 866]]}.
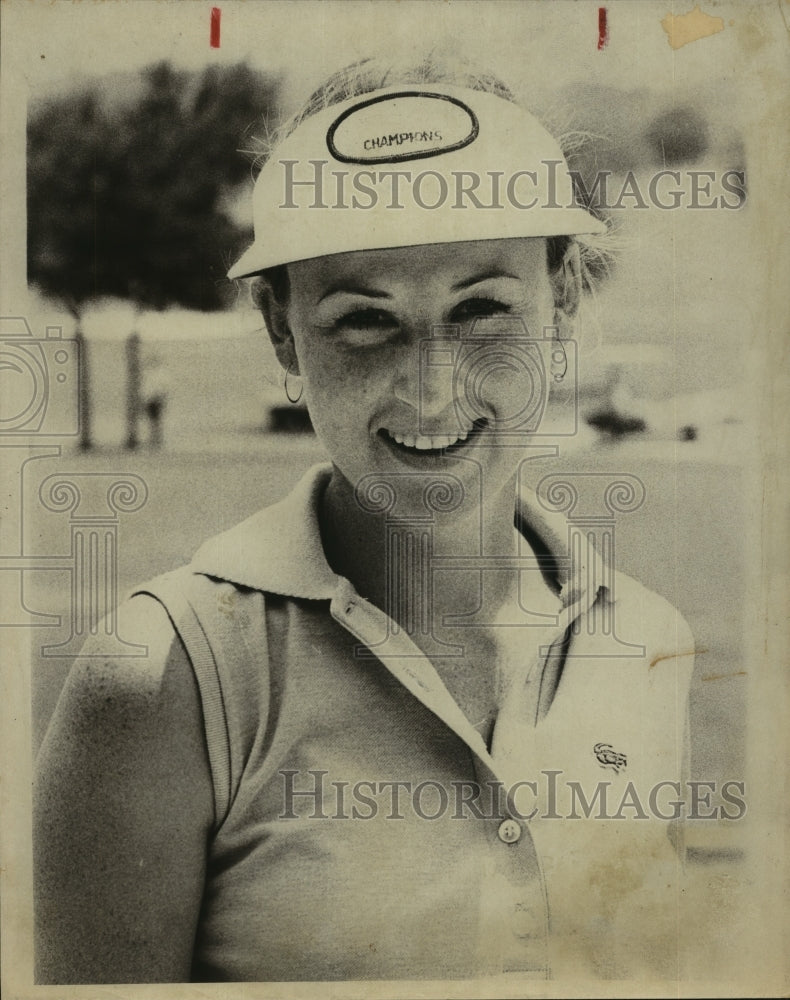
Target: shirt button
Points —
{"points": [[509, 831]]}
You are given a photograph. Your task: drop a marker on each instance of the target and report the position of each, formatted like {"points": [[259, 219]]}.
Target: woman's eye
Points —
{"points": [[367, 319], [477, 308]]}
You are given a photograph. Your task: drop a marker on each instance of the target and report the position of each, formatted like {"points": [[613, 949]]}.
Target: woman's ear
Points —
{"points": [[566, 282], [275, 315]]}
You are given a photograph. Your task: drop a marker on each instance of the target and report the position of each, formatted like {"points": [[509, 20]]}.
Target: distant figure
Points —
{"points": [[619, 413], [153, 397]]}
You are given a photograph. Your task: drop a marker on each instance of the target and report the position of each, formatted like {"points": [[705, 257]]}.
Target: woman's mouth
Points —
{"points": [[418, 445]]}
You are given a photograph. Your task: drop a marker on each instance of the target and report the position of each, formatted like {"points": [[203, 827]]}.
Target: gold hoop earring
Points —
{"points": [[559, 360], [289, 397]]}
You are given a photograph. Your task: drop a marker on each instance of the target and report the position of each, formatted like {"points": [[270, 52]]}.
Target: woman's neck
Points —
{"points": [[372, 549]]}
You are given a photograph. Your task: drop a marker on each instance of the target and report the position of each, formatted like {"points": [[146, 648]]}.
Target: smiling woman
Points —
{"points": [[349, 752]]}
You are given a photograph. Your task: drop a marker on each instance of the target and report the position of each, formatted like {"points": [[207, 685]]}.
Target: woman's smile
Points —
{"points": [[432, 446]]}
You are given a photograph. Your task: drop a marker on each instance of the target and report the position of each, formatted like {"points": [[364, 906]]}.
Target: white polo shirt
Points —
{"points": [[365, 830]]}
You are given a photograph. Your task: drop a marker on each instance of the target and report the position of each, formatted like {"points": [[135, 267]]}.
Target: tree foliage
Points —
{"points": [[129, 197]]}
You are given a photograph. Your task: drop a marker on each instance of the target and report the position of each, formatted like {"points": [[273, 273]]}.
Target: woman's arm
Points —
{"points": [[123, 806]]}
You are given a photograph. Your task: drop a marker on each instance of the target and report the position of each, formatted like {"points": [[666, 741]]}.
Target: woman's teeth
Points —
{"points": [[429, 442]]}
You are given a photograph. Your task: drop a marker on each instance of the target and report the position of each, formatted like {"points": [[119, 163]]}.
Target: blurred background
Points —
{"points": [[139, 172]]}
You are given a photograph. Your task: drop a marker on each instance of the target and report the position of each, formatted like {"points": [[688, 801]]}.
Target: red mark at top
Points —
{"points": [[603, 28], [216, 14]]}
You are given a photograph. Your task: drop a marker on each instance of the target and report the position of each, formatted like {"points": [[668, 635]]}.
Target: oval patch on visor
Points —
{"points": [[409, 125]]}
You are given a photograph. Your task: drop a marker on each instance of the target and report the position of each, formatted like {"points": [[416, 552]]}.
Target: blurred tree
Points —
{"points": [[678, 135], [129, 198]]}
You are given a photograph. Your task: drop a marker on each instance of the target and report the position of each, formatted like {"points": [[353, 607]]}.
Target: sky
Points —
{"points": [[538, 45]]}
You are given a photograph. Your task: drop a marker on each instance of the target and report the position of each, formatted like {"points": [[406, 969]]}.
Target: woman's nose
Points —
{"points": [[425, 378]]}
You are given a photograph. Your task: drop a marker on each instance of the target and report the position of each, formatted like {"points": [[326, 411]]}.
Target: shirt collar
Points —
{"points": [[279, 549]]}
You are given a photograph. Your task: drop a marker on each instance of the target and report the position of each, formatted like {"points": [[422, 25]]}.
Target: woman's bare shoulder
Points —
{"points": [[136, 704], [155, 656], [123, 807]]}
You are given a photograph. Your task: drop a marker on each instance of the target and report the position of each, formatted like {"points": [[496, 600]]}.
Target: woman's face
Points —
{"points": [[383, 397]]}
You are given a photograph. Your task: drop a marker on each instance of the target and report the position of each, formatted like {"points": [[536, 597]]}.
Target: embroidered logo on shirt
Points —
{"points": [[607, 757]]}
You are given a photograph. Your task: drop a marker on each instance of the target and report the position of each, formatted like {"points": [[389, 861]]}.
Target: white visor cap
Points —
{"points": [[406, 166]]}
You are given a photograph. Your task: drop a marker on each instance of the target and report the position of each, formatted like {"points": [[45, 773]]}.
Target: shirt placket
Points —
{"points": [[513, 904]]}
